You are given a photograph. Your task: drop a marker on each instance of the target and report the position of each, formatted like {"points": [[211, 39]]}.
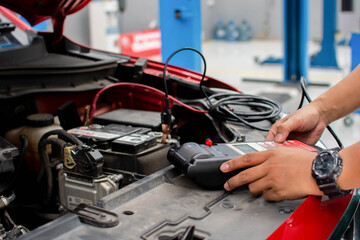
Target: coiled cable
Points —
{"points": [[244, 108], [219, 105]]}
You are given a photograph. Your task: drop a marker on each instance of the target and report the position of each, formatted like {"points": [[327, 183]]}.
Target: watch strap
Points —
{"points": [[331, 189]]}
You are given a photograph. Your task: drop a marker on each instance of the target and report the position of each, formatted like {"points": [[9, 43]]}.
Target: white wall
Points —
{"points": [[77, 27], [259, 11]]}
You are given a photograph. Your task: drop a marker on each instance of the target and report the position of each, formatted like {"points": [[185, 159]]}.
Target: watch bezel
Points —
{"points": [[327, 182], [336, 166]]}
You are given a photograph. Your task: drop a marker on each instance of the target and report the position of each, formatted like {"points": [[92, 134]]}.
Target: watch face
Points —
{"points": [[324, 165]]}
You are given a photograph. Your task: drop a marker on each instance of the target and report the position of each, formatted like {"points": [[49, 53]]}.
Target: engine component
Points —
{"points": [[75, 189], [84, 160], [36, 125], [82, 180], [138, 118], [6, 200], [8, 229], [121, 138], [7, 154], [96, 216], [132, 149]]}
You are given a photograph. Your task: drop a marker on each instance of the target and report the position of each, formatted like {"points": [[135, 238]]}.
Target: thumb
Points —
{"points": [[283, 130]]}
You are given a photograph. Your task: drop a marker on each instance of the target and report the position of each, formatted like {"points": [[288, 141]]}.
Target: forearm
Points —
{"points": [[350, 175], [341, 99]]}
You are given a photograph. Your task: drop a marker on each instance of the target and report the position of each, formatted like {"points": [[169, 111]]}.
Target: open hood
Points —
{"points": [[36, 11]]}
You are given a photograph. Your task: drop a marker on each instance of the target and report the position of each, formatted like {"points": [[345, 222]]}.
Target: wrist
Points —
{"points": [[348, 177], [320, 105]]}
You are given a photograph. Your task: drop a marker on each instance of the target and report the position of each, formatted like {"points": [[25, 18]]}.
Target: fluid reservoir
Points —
{"points": [[36, 126]]}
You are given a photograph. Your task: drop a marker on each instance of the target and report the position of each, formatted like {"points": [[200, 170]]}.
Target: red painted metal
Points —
{"points": [[36, 11], [14, 19], [313, 219]]}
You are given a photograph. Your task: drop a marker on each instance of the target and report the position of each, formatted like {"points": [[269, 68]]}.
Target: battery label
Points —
{"points": [[134, 138], [95, 134]]}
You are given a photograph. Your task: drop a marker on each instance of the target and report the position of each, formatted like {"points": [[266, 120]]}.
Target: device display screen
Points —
{"points": [[245, 148]]}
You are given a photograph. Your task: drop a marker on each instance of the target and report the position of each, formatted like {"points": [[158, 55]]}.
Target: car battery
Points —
{"points": [[131, 117], [103, 136], [133, 143], [127, 148]]}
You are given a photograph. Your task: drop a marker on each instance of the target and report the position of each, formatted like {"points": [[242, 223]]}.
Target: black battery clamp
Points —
{"points": [[201, 162]]}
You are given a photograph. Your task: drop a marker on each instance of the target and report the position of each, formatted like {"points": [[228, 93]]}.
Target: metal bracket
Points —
{"points": [[139, 67], [96, 216]]}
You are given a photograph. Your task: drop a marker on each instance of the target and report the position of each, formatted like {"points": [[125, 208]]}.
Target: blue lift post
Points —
{"points": [[327, 55], [355, 53], [180, 26], [296, 60], [355, 50], [296, 34]]}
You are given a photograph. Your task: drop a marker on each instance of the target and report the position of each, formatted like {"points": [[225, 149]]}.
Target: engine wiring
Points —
{"points": [[220, 105], [93, 105]]}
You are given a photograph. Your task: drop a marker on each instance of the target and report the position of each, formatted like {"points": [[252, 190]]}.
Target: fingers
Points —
{"points": [[260, 186], [248, 175], [246, 160], [245, 177], [281, 130], [273, 132]]}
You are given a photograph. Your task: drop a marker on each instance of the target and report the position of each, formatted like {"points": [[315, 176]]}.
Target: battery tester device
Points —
{"points": [[201, 162]]}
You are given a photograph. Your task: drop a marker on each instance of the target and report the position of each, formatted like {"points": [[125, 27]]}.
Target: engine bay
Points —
{"points": [[75, 134]]}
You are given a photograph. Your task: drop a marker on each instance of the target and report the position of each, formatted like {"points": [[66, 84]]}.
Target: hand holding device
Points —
{"points": [[202, 162]]}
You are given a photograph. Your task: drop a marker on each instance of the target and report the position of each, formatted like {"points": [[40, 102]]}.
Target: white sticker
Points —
{"points": [[75, 201]]}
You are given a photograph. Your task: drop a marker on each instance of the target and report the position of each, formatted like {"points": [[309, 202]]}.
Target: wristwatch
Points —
{"points": [[326, 167]]}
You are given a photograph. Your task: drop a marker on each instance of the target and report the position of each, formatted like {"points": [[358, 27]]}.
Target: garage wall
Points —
{"points": [[77, 27], [259, 12], [141, 14], [255, 12]]}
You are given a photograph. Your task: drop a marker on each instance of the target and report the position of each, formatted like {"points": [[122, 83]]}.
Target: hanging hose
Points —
{"points": [[46, 164]]}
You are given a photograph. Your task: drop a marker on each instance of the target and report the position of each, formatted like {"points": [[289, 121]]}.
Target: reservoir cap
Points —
{"points": [[39, 120]]}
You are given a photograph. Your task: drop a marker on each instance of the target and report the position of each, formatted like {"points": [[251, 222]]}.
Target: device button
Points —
{"points": [[208, 142]]}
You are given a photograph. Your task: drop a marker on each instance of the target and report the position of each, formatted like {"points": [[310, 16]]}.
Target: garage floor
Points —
{"points": [[236, 64]]}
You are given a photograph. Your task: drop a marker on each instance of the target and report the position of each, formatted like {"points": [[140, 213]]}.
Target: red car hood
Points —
{"points": [[36, 11]]}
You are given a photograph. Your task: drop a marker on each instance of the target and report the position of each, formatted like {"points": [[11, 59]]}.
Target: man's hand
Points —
{"points": [[282, 173], [305, 125]]}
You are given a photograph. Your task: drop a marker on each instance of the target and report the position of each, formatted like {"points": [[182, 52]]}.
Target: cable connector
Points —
{"points": [[165, 125]]}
